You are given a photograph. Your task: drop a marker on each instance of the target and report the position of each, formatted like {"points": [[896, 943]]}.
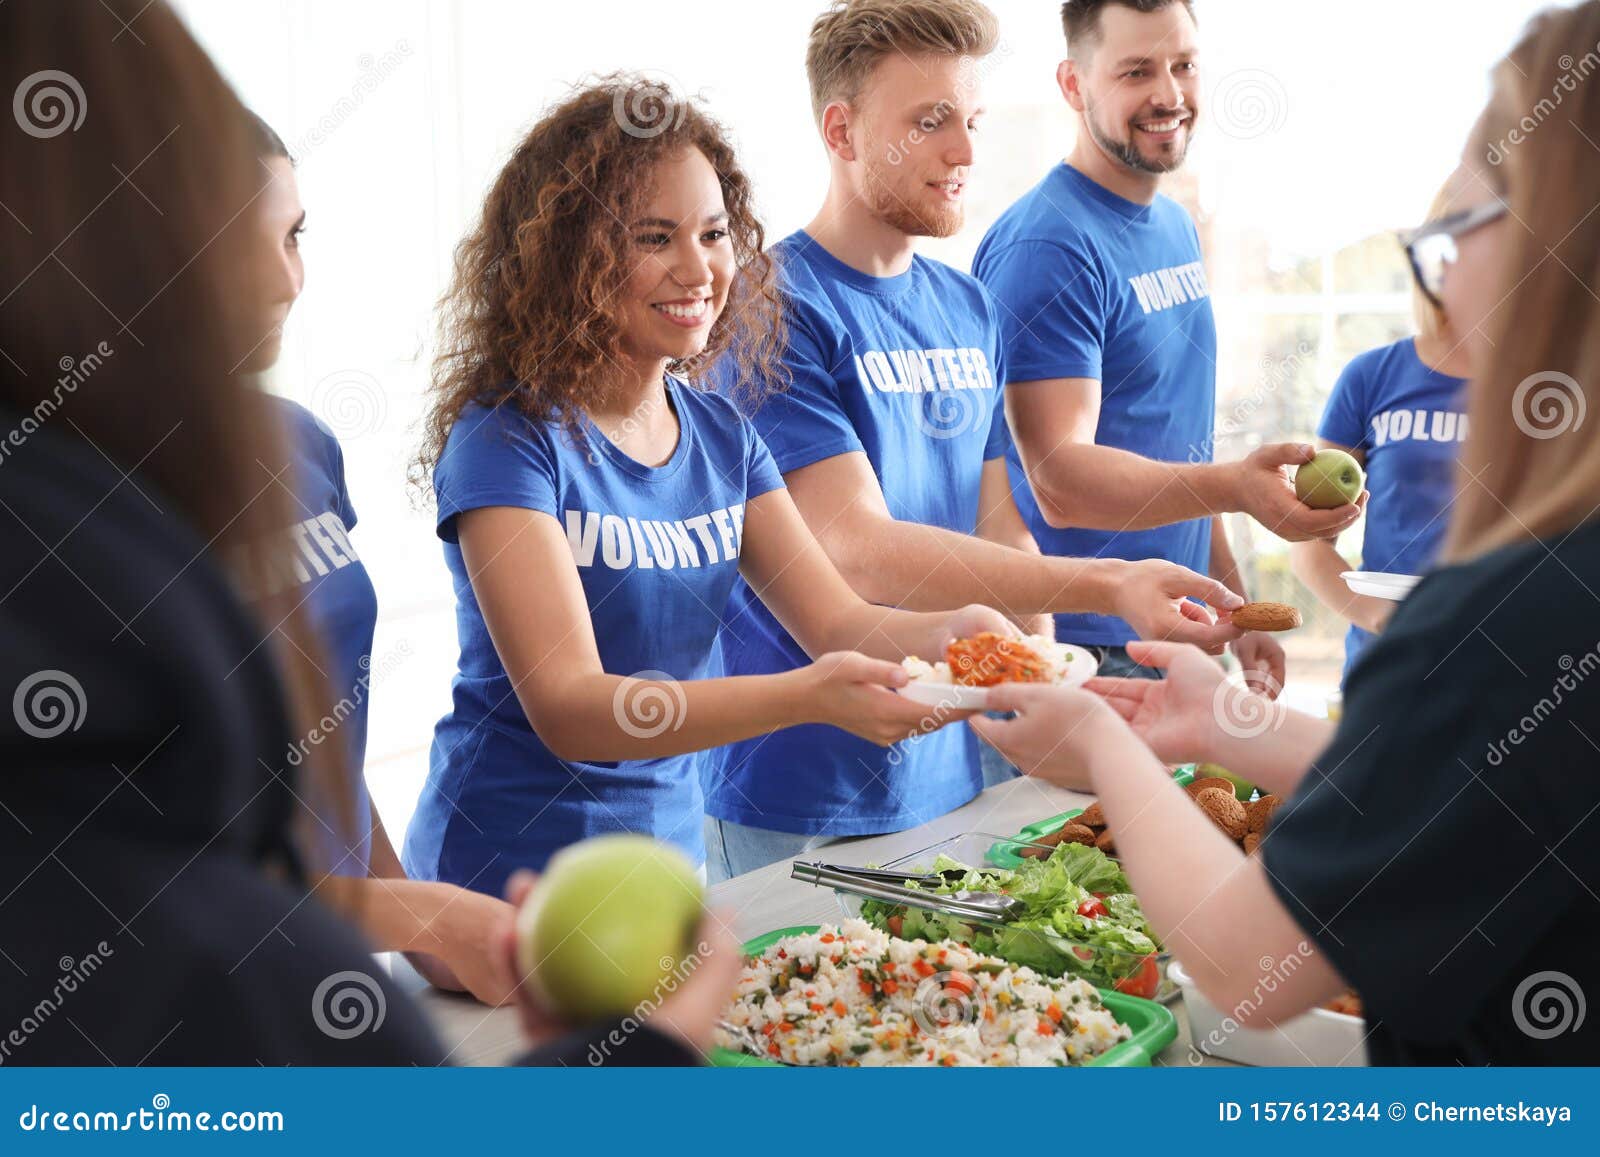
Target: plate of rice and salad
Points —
{"points": [[855, 996]]}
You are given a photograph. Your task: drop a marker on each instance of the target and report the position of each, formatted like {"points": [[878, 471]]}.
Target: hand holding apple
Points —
{"points": [[609, 927], [1263, 489], [686, 999]]}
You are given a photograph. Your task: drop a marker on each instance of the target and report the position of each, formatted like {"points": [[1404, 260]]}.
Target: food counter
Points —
{"points": [[763, 900]]}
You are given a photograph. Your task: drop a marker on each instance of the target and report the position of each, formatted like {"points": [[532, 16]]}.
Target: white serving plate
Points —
{"points": [[1315, 1039], [960, 697], [1378, 585]]}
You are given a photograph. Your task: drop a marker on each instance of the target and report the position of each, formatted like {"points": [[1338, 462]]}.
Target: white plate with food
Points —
{"points": [[1378, 585], [971, 667], [1319, 1037]]}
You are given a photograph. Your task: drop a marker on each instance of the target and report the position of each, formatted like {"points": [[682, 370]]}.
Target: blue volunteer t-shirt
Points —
{"points": [[1409, 420], [327, 577], [1092, 285], [905, 369], [657, 550]]}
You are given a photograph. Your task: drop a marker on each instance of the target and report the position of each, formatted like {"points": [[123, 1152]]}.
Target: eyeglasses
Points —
{"points": [[1431, 248]]}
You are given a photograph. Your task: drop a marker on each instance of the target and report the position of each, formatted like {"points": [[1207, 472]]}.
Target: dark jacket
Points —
{"points": [[152, 910]]}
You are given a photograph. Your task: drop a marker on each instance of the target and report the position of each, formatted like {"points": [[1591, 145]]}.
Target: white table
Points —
{"points": [[767, 898]]}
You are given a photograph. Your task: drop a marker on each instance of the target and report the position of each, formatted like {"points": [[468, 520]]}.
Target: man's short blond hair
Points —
{"points": [[852, 36]]}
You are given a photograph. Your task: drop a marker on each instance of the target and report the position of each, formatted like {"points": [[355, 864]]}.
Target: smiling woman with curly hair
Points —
{"points": [[560, 214], [596, 506]]}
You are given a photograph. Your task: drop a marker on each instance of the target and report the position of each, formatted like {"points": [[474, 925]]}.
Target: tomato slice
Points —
{"points": [[1093, 910], [1144, 981], [896, 923]]}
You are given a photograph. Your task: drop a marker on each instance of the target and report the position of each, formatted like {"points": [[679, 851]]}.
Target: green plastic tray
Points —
{"points": [[1153, 1027], [1004, 853]]}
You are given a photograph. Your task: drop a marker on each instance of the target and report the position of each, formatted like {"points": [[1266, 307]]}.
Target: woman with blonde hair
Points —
{"points": [[1399, 410], [1437, 849]]}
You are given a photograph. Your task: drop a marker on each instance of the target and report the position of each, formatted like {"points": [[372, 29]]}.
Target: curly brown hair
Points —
{"points": [[533, 316]]}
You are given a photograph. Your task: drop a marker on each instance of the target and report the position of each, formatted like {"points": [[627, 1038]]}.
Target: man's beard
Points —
{"points": [[1128, 152], [893, 210]]}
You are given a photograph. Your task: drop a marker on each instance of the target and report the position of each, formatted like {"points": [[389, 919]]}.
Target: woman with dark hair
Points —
{"points": [[1437, 848], [146, 865], [596, 504], [450, 931]]}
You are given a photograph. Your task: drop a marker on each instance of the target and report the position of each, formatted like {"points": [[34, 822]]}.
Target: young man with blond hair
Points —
{"points": [[890, 437]]}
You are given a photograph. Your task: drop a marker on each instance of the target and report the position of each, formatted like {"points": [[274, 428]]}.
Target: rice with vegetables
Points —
{"points": [[854, 995]]}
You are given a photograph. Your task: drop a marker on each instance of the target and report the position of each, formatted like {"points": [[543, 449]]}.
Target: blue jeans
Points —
{"points": [[734, 849], [1115, 664], [996, 767]]}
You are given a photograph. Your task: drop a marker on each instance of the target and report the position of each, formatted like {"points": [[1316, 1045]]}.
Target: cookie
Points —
{"points": [[1077, 834], [1266, 617], [1225, 811], [1259, 812]]}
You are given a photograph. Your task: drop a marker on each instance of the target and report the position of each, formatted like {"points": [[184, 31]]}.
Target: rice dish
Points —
{"points": [[853, 995]]}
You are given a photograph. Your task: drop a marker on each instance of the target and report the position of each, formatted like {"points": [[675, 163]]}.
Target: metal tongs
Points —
{"points": [[878, 884]]}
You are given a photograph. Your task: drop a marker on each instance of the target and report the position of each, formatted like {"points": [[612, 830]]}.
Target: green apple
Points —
{"points": [[608, 926], [1332, 478], [1243, 789]]}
